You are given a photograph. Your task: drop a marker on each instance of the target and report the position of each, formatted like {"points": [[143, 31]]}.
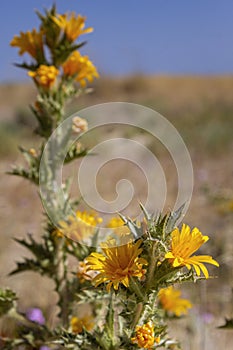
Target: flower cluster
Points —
{"points": [[45, 76], [79, 68], [142, 267], [56, 36]]}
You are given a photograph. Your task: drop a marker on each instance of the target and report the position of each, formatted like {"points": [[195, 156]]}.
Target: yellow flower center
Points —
{"points": [[117, 264]]}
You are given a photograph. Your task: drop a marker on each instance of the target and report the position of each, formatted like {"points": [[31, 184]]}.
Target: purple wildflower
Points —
{"points": [[36, 315]]}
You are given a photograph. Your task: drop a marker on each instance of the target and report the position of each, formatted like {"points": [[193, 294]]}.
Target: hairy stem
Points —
{"points": [[152, 267], [137, 316], [61, 283], [136, 288]]}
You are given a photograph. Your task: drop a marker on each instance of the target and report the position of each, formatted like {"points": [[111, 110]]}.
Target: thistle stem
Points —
{"points": [[110, 321], [152, 267], [61, 283], [138, 313], [136, 288]]}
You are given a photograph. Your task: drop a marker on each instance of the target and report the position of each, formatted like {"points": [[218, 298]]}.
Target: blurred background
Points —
{"points": [[175, 57]]}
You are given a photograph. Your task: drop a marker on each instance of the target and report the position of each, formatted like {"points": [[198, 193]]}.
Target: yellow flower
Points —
{"points": [[80, 226], [72, 25], [117, 264], [145, 337], [184, 244], [117, 224], [171, 301], [45, 75], [79, 324], [80, 67], [30, 42], [90, 218]]}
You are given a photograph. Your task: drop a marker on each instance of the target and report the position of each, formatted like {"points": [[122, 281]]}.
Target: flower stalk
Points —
{"points": [[152, 266]]}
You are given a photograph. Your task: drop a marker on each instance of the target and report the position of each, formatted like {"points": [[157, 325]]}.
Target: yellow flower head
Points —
{"points": [[30, 42], [145, 337], [171, 301], [72, 25], [45, 76], [79, 324], [80, 67], [90, 218], [117, 224], [80, 226], [184, 244], [117, 264]]}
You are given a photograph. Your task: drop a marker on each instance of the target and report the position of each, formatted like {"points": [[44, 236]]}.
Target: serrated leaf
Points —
{"points": [[27, 66], [26, 265], [7, 299], [145, 212], [135, 230], [37, 249]]}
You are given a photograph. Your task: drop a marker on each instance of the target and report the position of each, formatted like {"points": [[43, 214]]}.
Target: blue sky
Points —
{"points": [[144, 36]]}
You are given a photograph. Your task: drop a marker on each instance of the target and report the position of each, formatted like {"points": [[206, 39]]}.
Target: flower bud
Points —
{"points": [[79, 125]]}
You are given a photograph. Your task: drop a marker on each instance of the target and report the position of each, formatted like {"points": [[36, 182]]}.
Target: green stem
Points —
{"points": [[110, 322], [137, 316], [148, 312], [164, 277], [61, 282], [153, 263], [143, 310], [111, 316], [136, 288]]}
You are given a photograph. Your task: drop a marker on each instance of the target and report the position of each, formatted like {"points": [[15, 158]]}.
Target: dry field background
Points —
{"points": [[201, 108]]}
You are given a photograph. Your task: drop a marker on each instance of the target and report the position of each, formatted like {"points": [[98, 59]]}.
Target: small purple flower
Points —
{"points": [[207, 317], [35, 315], [44, 347]]}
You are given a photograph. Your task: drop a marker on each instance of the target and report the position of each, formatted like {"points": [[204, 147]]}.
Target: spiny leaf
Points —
{"points": [[26, 265], [145, 212], [228, 324], [174, 217], [37, 249], [135, 230], [27, 66], [7, 299]]}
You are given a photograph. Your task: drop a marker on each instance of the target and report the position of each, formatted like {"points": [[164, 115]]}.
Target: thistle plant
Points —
{"points": [[128, 284]]}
